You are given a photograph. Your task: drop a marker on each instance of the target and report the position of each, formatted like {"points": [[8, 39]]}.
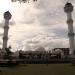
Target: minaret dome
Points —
{"points": [[7, 15], [68, 8]]}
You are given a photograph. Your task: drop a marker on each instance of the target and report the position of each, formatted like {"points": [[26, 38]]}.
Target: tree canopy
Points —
{"points": [[24, 1]]}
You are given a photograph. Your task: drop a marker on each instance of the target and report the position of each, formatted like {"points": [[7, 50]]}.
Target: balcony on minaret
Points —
{"points": [[71, 34], [70, 21], [5, 38], [6, 27]]}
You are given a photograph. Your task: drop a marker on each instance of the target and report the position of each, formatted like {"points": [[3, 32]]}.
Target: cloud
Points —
{"points": [[1, 25], [38, 24], [1, 34], [12, 23]]}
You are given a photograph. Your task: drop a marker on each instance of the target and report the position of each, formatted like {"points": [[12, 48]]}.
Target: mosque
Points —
{"points": [[63, 51]]}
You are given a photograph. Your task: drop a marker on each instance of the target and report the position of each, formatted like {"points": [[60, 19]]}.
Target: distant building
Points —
{"points": [[65, 50], [40, 49]]}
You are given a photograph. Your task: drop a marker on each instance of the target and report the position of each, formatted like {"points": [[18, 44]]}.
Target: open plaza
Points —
{"points": [[39, 69]]}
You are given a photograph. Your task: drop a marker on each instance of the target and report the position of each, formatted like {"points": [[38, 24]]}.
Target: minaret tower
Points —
{"points": [[7, 17], [68, 9]]}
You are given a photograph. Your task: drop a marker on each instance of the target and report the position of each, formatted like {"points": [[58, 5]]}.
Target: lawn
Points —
{"points": [[39, 69]]}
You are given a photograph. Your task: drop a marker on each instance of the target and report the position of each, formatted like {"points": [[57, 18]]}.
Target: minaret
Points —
{"points": [[7, 17], [68, 9]]}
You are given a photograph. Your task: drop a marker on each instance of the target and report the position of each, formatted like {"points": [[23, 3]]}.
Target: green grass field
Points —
{"points": [[39, 69]]}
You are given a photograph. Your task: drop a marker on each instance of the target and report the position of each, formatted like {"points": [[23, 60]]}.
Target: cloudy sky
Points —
{"points": [[34, 24]]}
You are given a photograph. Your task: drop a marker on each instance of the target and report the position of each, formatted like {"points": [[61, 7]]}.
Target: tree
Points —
{"points": [[8, 53], [24, 1]]}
